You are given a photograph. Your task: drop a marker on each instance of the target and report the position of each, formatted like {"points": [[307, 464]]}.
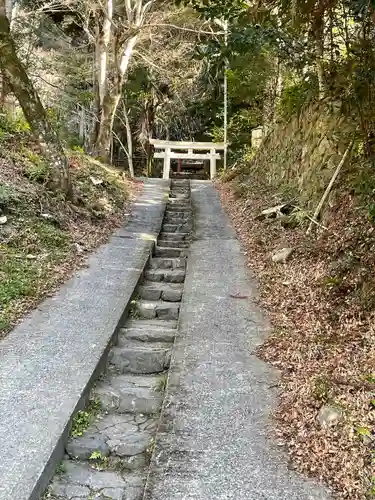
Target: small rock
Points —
{"points": [[79, 248], [282, 255], [329, 415], [3, 219], [146, 309]]}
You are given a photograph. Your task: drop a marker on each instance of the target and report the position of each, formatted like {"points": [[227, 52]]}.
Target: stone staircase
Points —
{"points": [[108, 459]]}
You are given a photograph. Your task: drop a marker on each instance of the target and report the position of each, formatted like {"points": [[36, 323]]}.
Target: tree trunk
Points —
{"points": [[111, 100], [320, 65], [22, 87], [105, 126], [82, 124], [129, 140], [150, 127], [9, 9], [102, 51]]}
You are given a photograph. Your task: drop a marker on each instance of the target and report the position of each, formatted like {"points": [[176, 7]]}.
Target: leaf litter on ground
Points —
{"points": [[321, 305]]}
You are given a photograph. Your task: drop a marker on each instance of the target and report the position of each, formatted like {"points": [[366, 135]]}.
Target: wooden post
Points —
{"points": [[167, 163], [212, 164]]}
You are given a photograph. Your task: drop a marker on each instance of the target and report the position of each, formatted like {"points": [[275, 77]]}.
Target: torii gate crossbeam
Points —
{"points": [[171, 150]]}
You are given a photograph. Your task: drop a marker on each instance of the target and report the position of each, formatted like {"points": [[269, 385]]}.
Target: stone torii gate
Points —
{"points": [[183, 150]]}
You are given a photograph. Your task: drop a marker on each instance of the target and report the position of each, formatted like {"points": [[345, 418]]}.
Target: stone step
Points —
{"points": [[123, 436], [183, 198], [178, 213], [174, 203], [174, 236], [178, 222], [157, 309], [177, 218], [178, 210], [180, 182], [160, 291], [184, 227], [169, 263], [154, 324], [179, 195], [140, 358], [175, 244], [144, 335], [180, 217], [166, 275], [166, 251], [81, 481], [131, 393]]}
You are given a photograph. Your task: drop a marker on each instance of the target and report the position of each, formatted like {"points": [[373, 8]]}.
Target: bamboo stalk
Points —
{"points": [[328, 188]]}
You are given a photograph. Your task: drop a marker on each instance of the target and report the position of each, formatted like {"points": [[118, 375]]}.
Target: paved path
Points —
{"points": [[214, 442], [47, 363]]}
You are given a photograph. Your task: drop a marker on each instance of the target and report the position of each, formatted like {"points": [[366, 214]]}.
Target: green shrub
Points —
{"points": [[295, 96], [14, 124], [35, 167], [7, 195]]}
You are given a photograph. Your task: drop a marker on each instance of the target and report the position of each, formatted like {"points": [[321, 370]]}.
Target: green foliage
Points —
{"points": [[12, 125], [25, 261], [8, 196], [217, 9], [362, 181], [83, 418], [363, 431], [18, 275], [295, 96], [78, 149], [35, 167]]}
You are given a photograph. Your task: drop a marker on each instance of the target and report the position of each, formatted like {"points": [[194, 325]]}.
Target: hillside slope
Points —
{"points": [[321, 301], [43, 236]]}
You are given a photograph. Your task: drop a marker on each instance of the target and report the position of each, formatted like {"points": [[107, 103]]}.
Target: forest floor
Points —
{"points": [[43, 236], [321, 306]]}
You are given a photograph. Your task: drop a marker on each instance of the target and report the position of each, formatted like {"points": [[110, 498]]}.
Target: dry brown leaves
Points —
{"points": [[323, 337]]}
